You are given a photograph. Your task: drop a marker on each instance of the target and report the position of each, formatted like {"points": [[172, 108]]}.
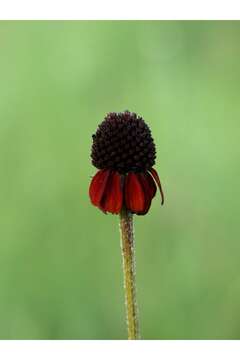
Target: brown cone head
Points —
{"points": [[123, 143]]}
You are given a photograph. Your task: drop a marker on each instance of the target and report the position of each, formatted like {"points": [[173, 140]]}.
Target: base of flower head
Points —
{"points": [[110, 191]]}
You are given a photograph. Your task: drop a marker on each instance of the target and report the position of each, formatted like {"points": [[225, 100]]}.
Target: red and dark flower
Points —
{"points": [[124, 151]]}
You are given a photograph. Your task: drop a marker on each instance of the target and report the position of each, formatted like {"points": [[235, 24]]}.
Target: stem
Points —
{"points": [[128, 256]]}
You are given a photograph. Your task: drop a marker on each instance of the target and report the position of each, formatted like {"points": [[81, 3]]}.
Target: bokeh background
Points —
{"points": [[60, 260]]}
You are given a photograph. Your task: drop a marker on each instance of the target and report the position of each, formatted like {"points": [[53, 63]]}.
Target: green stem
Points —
{"points": [[128, 256]]}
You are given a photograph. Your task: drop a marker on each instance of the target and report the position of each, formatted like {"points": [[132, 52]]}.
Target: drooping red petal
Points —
{"points": [[147, 193], [151, 185], [157, 179], [113, 195], [135, 198], [149, 189], [97, 186]]}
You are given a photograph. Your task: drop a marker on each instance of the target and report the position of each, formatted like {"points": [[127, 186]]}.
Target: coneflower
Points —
{"points": [[124, 152]]}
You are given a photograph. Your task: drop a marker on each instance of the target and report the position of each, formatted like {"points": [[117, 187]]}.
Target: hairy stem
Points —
{"points": [[128, 257]]}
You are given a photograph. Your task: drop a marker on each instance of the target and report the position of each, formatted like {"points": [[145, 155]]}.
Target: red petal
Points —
{"points": [[97, 186], [135, 198], [151, 185], [149, 188], [156, 178], [113, 196], [147, 193]]}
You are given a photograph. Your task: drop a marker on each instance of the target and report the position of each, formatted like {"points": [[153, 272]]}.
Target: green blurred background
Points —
{"points": [[60, 261]]}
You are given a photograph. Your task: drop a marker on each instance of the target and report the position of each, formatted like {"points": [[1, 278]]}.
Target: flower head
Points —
{"points": [[124, 152]]}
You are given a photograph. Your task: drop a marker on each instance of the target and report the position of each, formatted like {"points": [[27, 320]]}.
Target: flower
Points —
{"points": [[124, 152]]}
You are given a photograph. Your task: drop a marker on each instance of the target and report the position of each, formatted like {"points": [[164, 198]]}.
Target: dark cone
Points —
{"points": [[123, 143]]}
